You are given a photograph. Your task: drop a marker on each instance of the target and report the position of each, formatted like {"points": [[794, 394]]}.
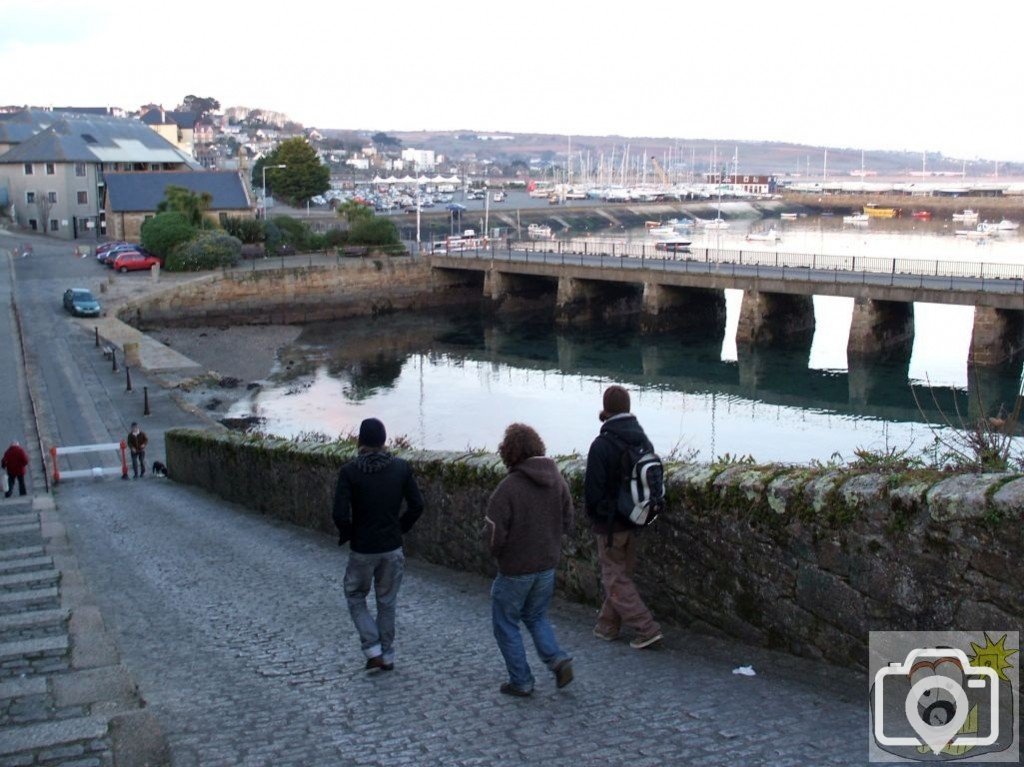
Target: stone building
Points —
{"points": [[132, 198]]}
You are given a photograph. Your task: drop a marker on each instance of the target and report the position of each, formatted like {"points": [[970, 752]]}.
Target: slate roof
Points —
{"points": [[16, 127], [138, 192], [168, 117], [85, 138]]}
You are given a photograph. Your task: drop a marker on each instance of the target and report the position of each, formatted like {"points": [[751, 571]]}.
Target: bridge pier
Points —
{"points": [[880, 328], [775, 319], [998, 336], [667, 306], [586, 300], [495, 285]]}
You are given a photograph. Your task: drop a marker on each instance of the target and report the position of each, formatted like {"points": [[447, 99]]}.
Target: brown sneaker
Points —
{"points": [[563, 673], [643, 642], [607, 636]]}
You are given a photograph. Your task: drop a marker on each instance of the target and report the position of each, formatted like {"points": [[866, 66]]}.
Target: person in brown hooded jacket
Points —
{"points": [[527, 515]]}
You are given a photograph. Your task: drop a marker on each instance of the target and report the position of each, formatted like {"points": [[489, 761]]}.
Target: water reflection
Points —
{"points": [[455, 381]]}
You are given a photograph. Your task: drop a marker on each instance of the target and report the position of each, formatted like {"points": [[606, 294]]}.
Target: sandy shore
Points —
{"points": [[245, 352]]}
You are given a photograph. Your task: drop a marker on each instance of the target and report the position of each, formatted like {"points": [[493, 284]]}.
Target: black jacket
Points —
{"points": [[605, 472], [368, 502]]}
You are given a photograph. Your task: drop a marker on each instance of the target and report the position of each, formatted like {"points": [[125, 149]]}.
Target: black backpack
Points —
{"points": [[642, 489]]}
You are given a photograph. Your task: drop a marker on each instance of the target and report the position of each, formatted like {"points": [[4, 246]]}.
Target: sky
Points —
{"points": [[903, 74]]}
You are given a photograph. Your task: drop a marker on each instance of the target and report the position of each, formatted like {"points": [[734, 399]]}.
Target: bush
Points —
{"points": [[165, 232], [209, 250], [374, 231], [336, 237], [294, 232], [248, 230]]}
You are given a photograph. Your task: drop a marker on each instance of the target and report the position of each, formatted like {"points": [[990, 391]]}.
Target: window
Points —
{"points": [[30, 198], [80, 169], [54, 225], [33, 225], [28, 169], [51, 169], [83, 198], [51, 196]]}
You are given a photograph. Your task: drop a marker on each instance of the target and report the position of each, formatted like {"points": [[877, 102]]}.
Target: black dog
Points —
{"points": [[159, 470]]}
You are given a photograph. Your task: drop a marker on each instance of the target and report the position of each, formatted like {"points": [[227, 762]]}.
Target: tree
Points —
{"points": [[303, 176], [199, 104], [44, 206], [165, 231], [190, 204], [373, 231], [354, 212], [385, 141]]}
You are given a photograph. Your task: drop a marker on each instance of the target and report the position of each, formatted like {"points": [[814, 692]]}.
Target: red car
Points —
{"points": [[133, 260]]}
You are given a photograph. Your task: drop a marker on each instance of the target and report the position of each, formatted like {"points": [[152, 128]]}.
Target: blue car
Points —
{"points": [[80, 302]]}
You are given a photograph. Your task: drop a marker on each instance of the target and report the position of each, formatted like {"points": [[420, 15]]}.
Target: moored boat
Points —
{"points": [[979, 232], [874, 210], [539, 231], [772, 235], [966, 217], [922, 215], [1008, 226], [713, 223], [673, 245], [788, 216], [859, 219]]}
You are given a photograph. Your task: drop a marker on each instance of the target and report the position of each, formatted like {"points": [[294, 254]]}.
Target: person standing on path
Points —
{"points": [[15, 461], [526, 517], [614, 534], [137, 441], [368, 512]]}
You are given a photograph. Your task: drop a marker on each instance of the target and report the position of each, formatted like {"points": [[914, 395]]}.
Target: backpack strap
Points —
{"points": [[623, 449]]}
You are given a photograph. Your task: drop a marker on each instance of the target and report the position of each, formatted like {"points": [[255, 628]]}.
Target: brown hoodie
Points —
{"points": [[526, 517]]}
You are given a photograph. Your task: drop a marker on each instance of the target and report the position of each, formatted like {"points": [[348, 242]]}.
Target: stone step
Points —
{"points": [[9, 565], [18, 529], [18, 519], [28, 648], [32, 619], [20, 553], [36, 595], [49, 734], [23, 579]]}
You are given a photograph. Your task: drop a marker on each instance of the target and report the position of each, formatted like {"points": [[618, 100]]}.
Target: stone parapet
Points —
{"points": [[803, 559]]}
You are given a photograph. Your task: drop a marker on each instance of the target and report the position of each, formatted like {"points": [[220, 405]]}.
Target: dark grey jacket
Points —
{"points": [[368, 502]]}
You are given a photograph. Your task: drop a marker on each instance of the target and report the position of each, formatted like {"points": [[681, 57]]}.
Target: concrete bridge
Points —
{"points": [[590, 278]]}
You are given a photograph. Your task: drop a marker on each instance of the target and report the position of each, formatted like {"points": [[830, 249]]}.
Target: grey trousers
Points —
{"points": [[384, 573]]}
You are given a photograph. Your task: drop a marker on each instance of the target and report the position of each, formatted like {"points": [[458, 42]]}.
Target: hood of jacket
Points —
{"points": [[371, 463], [540, 470], [626, 428]]}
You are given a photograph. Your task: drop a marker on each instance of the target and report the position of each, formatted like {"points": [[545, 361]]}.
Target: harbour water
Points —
{"points": [[455, 381]]}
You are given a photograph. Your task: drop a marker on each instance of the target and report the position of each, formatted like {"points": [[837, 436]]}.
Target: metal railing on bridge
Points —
{"points": [[902, 272]]}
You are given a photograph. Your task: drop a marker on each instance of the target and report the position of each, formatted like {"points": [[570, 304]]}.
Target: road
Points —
{"points": [[234, 626]]}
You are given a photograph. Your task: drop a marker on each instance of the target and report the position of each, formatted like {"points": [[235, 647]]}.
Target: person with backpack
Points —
{"points": [[620, 463], [368, 512], [526, 517]]}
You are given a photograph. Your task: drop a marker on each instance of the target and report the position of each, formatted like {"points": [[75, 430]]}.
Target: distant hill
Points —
{"points": [[755, 157]]}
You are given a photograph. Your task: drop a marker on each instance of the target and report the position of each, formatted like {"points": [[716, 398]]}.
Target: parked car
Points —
{"points": [[80, 302], [107, 256], [105, 246], [133, 260]]}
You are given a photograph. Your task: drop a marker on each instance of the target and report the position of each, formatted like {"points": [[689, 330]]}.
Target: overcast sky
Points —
{"points": [[901, 74]]}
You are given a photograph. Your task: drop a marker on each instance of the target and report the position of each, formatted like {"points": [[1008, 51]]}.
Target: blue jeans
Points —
{"points": [[525, 598], [384, 573]]}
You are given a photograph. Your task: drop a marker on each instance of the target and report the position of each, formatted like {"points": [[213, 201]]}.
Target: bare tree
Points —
{"points": [[44, 206]]}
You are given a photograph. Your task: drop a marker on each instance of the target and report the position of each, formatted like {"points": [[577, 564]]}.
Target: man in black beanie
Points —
{"points": [[368, 512], [614, 534]]}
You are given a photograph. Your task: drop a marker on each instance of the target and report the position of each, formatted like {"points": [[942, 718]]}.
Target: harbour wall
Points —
{"points": [[350, 288], [803, 559], [988, 208]]}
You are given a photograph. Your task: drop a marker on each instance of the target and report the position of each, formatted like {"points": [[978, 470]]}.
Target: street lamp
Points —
{"points": [[265, 187]]}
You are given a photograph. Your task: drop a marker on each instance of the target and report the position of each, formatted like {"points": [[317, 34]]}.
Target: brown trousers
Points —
{"points": [[622, 603]]}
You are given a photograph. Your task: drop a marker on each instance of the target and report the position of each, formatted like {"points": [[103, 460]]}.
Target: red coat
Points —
{"points": [[15, 460]]}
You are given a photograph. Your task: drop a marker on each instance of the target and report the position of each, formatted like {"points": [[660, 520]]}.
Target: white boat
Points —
{"points": [[1008, 226], [539, 231], [788, 216], [713, 223], [979, 232], [772, 235], [857, 219], [498, 196], [967, 216], [665, 230]]}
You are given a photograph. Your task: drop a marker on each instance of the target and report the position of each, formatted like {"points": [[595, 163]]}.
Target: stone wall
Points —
{"points": [[295, 295], [807, 560]]}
